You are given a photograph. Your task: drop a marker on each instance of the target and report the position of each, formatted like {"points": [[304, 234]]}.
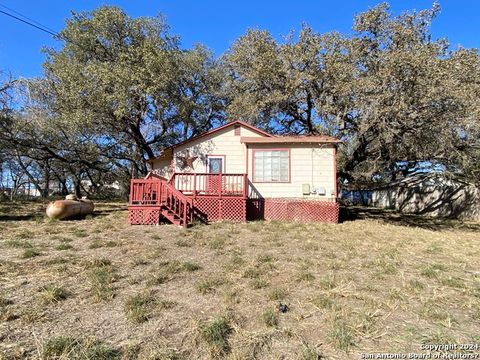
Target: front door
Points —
{"points": [[215, 165], [215, 169]]}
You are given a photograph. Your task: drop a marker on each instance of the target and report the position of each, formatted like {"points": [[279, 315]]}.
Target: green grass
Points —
{"points": [[166, 272], [341, 336], [323, 302], [433, 270], [453, 282], [252, 273], [138, 308], [306, 276], [17, 244], [25, 234], [101, 275], [277, 293], [207, 286], [310, 353], [64, 246], [329, 282], [270, 318], [216, 334], [53, 293], [80, 233], [30, 253], [65, 347], [184, 243], [257, 284], [190, 266], [96, 244], [416, 284]]}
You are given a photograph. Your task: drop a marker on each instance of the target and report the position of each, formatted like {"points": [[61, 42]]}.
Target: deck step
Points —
{"points": [[170, 216]]}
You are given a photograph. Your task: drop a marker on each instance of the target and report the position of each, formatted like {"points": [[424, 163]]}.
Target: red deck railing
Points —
{"points": [[146, 192], [211, 185], [157, 192]]}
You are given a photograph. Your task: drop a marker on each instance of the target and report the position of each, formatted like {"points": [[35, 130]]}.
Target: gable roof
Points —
{"points": [[236, 122], [289, 139], [265, 138]]}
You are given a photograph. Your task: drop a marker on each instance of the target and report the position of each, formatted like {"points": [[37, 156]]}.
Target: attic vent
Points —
{"points": [[237, 130]]}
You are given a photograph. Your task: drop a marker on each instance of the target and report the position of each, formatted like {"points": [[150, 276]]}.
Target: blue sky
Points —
{"points": [[218, 23]]}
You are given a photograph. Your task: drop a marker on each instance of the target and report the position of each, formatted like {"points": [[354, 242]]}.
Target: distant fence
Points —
{"points": [[432, 196]]}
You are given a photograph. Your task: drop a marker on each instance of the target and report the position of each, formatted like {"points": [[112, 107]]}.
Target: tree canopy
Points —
{"points": [[122, 88]]}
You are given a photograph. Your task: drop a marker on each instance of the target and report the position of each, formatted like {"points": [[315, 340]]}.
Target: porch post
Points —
{"points": [[245, 186], [220, 185], [194, 185], [131, 191]]}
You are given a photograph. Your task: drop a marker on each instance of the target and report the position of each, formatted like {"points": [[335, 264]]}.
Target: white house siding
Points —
{"points": [[311, 164], [223, 142], [162, 167]]}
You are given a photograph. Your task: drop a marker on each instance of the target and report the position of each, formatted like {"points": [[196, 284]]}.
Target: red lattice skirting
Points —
{"points": [[143, 215], [213, 209], [300, 210]]}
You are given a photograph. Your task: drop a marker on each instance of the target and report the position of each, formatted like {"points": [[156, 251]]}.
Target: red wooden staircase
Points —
{"points": [[154, 198]]}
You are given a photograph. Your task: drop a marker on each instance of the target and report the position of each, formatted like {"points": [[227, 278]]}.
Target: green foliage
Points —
{"points": [[53, 293], [30, 253], [278, 293], [389, 91], [341, 336], [216, 334], [138, 308], [270, 318], [77, 349], [121, 88]]}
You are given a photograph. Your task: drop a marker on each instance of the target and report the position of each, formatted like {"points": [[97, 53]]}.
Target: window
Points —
{"points": [[215, 164], [237, 129], [271, 165]]}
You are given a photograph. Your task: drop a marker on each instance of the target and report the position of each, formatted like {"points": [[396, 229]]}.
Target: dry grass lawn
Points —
{"points": [[99, 289]]}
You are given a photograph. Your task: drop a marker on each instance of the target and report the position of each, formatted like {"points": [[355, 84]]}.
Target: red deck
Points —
{"points": [[207, 197], [215, 197]]}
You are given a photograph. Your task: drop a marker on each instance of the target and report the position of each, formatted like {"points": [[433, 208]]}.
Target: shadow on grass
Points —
{"points": [[352, 213], [26, 212], [20, 217]]}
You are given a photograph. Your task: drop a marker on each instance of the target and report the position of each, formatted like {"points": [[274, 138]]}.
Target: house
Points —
{"points": [[430, 194], [238, 172]]}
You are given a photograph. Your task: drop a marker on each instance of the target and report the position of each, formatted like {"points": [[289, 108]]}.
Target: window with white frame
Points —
{"points": [[271, 165]]}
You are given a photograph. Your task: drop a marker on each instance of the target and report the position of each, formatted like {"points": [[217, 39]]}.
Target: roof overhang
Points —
{"points": [[167, 152], [323, 139]]}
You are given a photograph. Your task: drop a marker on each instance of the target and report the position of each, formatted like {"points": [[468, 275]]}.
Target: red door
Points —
{"points": [[215, 170]]}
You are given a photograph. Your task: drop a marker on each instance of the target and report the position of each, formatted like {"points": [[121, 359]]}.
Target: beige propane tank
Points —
{"points": [[70, 207]]}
